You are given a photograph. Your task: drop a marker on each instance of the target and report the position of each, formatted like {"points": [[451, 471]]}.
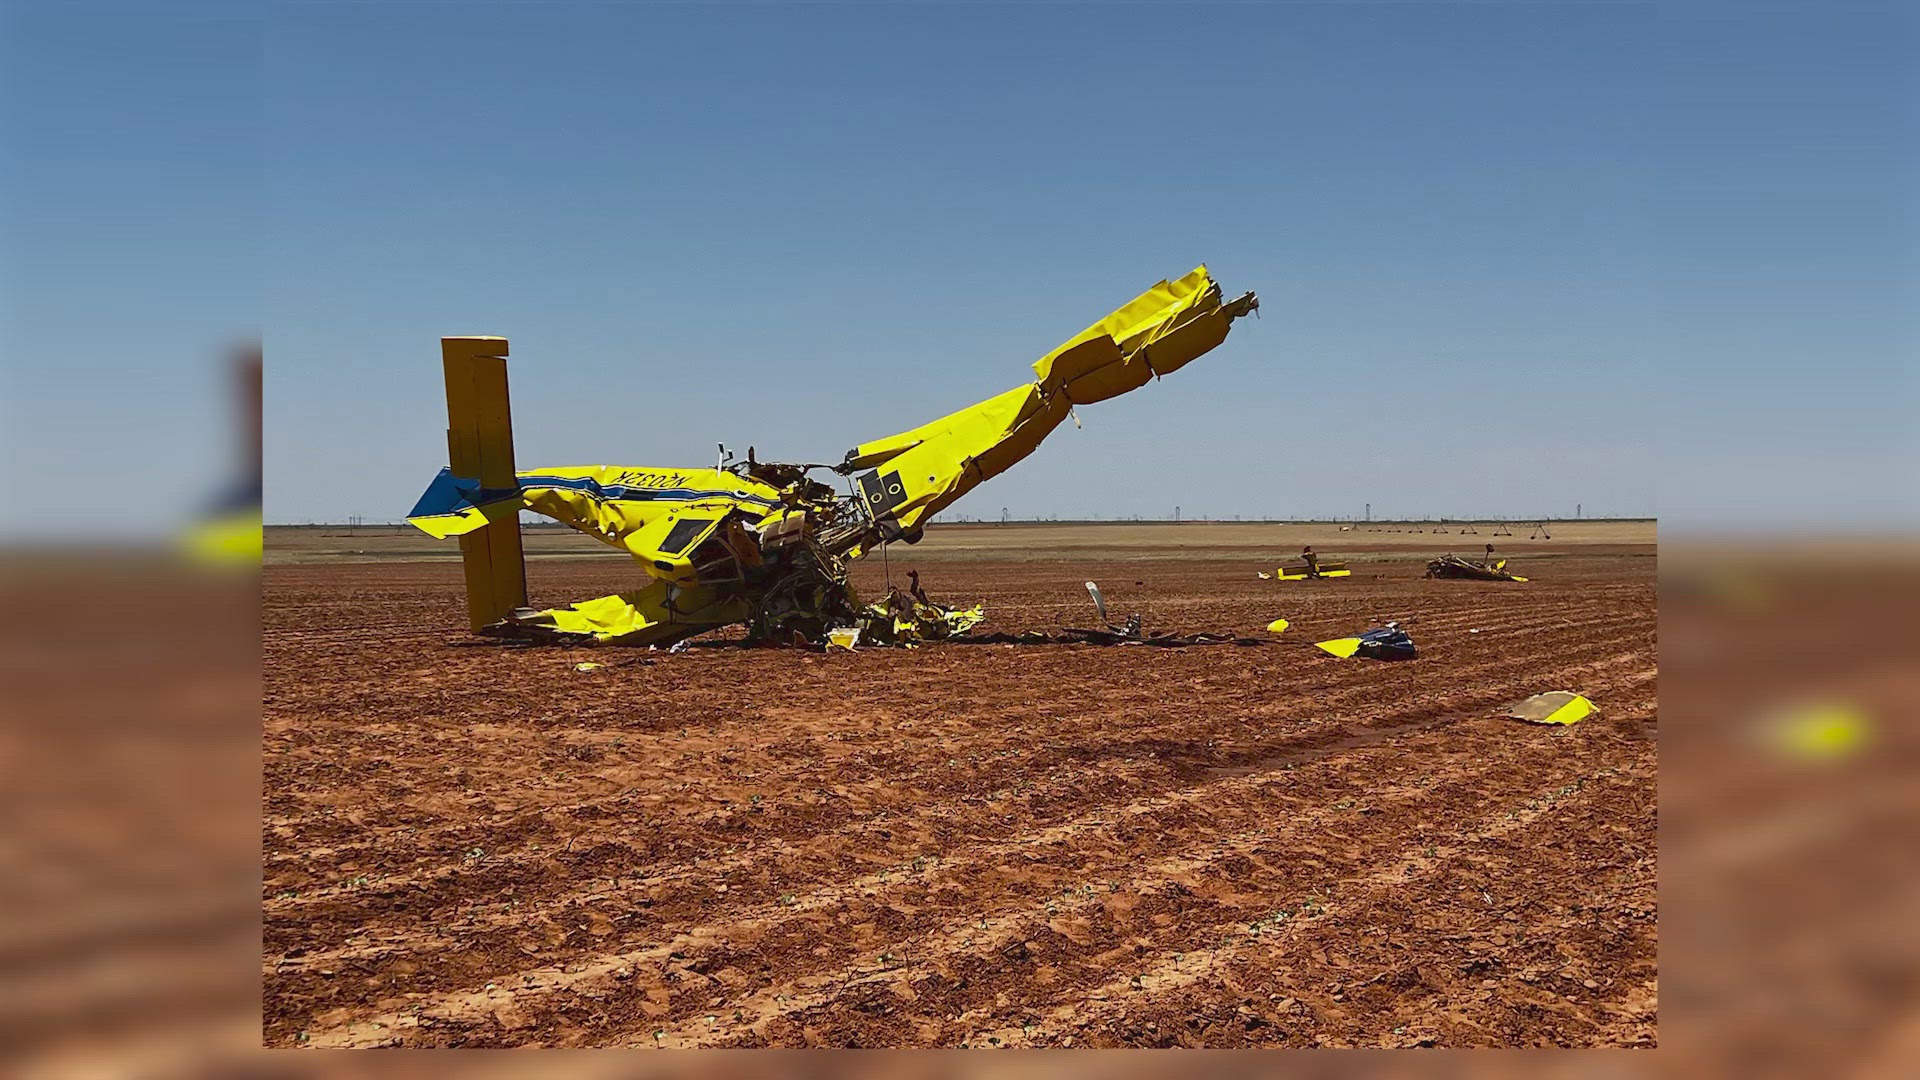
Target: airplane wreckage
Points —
{"points": [[760, 543]]}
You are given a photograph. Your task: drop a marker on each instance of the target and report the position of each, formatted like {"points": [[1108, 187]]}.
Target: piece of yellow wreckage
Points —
{"points": [[1552, 707], [916, 474], [664, 517], [658, 516]]}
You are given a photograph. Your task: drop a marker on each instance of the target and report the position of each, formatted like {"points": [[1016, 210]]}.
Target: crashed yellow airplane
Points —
{"points": [[762, 543]]}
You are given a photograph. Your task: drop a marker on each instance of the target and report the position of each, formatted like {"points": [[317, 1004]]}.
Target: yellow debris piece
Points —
{"points": [[921, 472], [1340, 647], [1156, 333], [1555, 707], [658, 614], [1278, 625], [1299, 573], [961, 620]]}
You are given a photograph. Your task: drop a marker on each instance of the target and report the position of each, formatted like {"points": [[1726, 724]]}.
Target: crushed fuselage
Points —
{"points": [[764, 545]]}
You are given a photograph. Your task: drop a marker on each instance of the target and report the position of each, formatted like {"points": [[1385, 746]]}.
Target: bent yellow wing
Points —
{"points": [[1156, 333], [957, 452], [922, 471]]}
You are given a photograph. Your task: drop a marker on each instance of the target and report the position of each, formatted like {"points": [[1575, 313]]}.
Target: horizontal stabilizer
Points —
{"points": [[920, 472], [455, 505]]}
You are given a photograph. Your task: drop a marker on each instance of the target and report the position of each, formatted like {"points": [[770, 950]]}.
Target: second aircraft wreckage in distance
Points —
{"points": [[1453, 566], [763, 544]]}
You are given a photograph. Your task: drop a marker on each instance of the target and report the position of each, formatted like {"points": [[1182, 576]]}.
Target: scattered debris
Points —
{"points": [[1099, 602], [1131, 632], [588, 666], [1120, 634], [1388, 642], [1110, 636], [909, 618], [1554, 707], [1453, 566], [1277, 625], [802, 613], [1024, 637]]}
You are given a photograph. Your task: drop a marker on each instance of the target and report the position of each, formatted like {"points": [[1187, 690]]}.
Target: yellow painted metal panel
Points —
{"points": [[463, 457], [507, 564], [924, 470], [956, 453], [658, 613], [616, 504], [480, 446], [1299, 573], [1165, 327], [1553, 707], [1341, 647]]}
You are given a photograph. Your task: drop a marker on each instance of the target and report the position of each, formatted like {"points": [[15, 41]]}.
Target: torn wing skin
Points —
{"points": [[917, 473], [658, 614]]}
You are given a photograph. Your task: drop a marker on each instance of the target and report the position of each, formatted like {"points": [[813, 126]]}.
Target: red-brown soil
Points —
{"points": [[469, 844]]}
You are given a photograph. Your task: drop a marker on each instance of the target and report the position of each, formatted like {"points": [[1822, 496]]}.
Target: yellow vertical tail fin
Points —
{"points": [[480, 445]]}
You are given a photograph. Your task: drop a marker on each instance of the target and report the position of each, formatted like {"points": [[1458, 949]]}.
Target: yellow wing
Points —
{"points": [[920, 472]]}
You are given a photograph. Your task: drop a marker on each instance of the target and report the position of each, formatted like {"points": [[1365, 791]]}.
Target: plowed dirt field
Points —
{"points": [[472, 844]]}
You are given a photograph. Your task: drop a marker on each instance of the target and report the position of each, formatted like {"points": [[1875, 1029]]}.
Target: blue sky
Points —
{"points": [[1512, 257]]}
